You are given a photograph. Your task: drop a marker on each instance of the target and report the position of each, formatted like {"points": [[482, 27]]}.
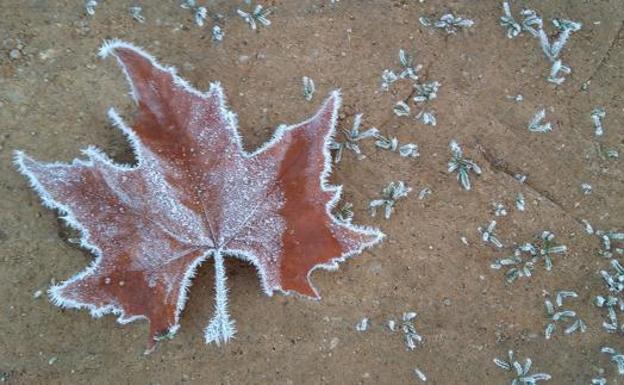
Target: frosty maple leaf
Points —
{"points": [[194, 193]]}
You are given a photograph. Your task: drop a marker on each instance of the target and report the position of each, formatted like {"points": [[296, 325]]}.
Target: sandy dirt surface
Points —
{"points": [[54, 94]]}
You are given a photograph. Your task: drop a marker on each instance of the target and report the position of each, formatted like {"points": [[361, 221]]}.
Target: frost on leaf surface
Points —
{"points": [[194, 194]]}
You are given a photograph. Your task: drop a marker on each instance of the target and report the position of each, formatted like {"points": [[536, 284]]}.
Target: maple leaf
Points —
{"points": [[193, 194]]}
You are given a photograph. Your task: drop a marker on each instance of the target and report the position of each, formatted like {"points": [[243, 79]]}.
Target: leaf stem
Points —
{"points": [[221, 327]]}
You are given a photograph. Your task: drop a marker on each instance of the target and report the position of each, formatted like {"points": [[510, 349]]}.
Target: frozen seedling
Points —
{"points": [[408, 70], [410, 335], [597, 115], [426, 191], [389, 196], [200, 13], [401, 109], [509, 23], [489, 236], [345, 213], [527, 255], [586, 189], [449, 22], [388, 77], [616, 357], [427, 118], [351, 139], [409, 150], [520, 202], [308, 88], [257, 16], [556, 314], [615, 284], [90, 6], [499, 209], [217, 33], [533, 24], [137, 13], [609, 240], [362, 325], [421, 376], [536, 125], [461, 166], [522, 376], [426, 91]]}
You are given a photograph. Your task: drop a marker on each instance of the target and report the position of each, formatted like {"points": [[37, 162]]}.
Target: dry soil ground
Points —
{"points": [[54, 92]]}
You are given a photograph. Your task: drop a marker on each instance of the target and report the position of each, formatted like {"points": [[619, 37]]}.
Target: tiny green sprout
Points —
{"points": [[616, 357], [522, 375], [257, 16], [536, 125], [389, 196], [351, 139], [597, 115], [556, 314], [308, 88], [345, 213], [461, 165]]}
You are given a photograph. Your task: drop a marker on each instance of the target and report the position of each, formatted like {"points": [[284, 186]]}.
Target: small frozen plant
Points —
{"points": [[424, 192], [351, 139], [389, 196], [410, 335], [597, 115], [499, 209], [217, 33], [362, 325], [449, 22], [401, 109], [522, 376], [426, 91], [557, 68], [508, 22], [461, 166], [427, 118], [408, 70], [520, 202], [308, 88], [388, 77], [586, 189], [616, 357], [609, 240], [408, 150], [489, 236], [536, 125], [90, 6], [612, 302], [256, 17], [345, 213], [137, 13], [556, 314], [520, 266], [421, 376], [200, 13]]}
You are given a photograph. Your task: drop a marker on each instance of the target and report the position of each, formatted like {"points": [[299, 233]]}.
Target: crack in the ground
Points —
{"points": [[500, 165], [607, 54]]}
